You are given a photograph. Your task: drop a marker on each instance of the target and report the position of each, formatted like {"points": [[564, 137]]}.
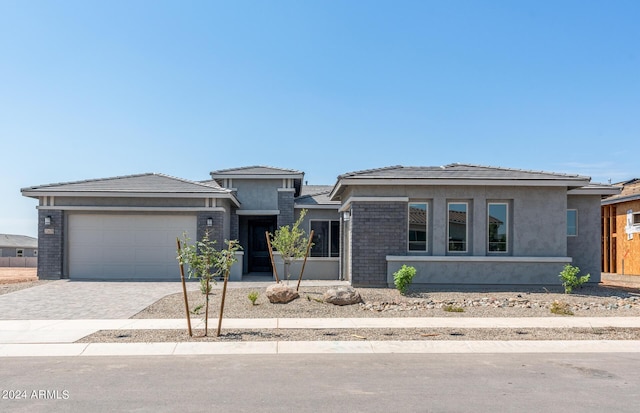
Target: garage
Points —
{"points": [[125, 247]]}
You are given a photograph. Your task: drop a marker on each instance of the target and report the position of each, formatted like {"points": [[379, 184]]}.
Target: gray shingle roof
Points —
{"points": [[255, 170], [17, 241], [458, 171], [315, 195], [142, 183]]}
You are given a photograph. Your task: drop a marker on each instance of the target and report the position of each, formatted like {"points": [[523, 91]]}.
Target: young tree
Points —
{"points": [[205, 262], [292, 243]]}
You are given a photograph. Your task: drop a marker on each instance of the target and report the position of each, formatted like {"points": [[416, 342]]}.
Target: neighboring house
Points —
{"points": [[457, 224], [621, 230], [18, 251]]}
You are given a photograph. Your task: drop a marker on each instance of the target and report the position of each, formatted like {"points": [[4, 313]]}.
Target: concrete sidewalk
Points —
{"points": [[22, 338]]}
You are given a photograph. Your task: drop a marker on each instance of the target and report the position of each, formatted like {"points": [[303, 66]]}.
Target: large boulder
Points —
{"points": [[342, 295], [281, 294]]}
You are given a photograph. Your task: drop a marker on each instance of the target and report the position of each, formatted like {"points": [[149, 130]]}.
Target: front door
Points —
{"points": [[259, 260]]}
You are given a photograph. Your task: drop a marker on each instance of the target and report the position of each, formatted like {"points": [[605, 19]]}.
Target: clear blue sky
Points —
{"points": [[94, 89]]}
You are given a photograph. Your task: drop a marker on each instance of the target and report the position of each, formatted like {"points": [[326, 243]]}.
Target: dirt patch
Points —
{"points": [[11, 275]]}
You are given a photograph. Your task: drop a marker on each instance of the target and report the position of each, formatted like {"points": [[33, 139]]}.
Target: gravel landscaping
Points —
{"points": [[597, 301]]}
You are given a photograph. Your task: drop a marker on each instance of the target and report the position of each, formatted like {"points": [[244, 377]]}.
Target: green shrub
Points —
{"points": [[403, 277], [253, 296], [453, 309], [570, 279]]}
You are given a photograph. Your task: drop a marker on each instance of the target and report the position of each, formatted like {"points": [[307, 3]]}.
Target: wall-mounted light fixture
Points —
{"points": [[346, 215], [47, 220], [209, 222]]}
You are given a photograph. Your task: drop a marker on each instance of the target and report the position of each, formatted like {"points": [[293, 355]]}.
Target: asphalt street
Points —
{"points": [[324, 383]]}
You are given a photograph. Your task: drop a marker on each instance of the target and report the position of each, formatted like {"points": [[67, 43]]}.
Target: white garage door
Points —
{"points": [[140, 247]]}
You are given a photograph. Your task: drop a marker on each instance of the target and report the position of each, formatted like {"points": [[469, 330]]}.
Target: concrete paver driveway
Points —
{"points": [[70, 300]]}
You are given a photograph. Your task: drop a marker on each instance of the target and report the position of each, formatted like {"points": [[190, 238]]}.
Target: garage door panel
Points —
{"points": [[126, 246]]}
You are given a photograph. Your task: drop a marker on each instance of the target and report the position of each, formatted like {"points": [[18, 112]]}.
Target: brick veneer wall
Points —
{"points": [[285, 205], [216, 232], [378, 229], [50, 246]]}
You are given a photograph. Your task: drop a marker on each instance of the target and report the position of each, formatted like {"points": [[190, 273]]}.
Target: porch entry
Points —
{"points": [[257, 248]]}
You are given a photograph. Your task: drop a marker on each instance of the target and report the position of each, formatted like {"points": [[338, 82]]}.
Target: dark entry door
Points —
{"points": [[259, 260]]}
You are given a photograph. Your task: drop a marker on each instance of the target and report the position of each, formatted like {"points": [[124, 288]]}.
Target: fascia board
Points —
{"points": [[118, 194], [594, 191], [130, 208], [318, 206], [258, 176]]}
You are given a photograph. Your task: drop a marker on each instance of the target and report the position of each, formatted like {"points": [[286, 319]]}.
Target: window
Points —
{"points": [[636, 218], [418, 226], [457, 223], [572, 222], [326, 238], [19, 252], [498, 224]]}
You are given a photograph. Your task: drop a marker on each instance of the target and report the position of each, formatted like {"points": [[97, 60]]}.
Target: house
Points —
{"points": [[18, 251], [621, 230], [457, 224]]}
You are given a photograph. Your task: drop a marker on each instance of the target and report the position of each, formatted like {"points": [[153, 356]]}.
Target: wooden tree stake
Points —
{"points": [[224, 291], [184, 291], [305, 259], [273, 264]]}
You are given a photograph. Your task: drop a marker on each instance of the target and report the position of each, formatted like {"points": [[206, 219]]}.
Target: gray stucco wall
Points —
{"points": [[537, 222], [585, 248], [258, 194], [50, 246], [467, 271], [11, 252]]}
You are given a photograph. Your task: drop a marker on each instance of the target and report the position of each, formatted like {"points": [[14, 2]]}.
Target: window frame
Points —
{"points": [[507, 224], [466, 227], [330, 235], [575, 234], [426, 227], [635, 219]]}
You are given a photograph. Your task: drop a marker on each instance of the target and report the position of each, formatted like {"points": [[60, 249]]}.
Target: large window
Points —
{"points": [[326, 238], [457, 223], [572, 222], [498, 227], [418, 213]]}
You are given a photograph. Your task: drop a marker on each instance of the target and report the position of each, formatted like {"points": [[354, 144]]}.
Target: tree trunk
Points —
{"points": [[287, 270]]}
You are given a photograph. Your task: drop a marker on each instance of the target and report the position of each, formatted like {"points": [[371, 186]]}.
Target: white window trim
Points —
{"points": [[577, 232], [506, 251], [330, 234], [426, 225], [466, 227]]}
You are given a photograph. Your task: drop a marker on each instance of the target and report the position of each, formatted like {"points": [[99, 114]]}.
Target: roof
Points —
{"points": [[316, 195], [141, 183], [456, 174], [458, 171], [145, 185], [17, 241], [257, 171], [630, 191]]}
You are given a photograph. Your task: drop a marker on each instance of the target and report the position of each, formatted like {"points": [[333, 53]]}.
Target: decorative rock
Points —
{"points": [[342, 295], [281, 294]]}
